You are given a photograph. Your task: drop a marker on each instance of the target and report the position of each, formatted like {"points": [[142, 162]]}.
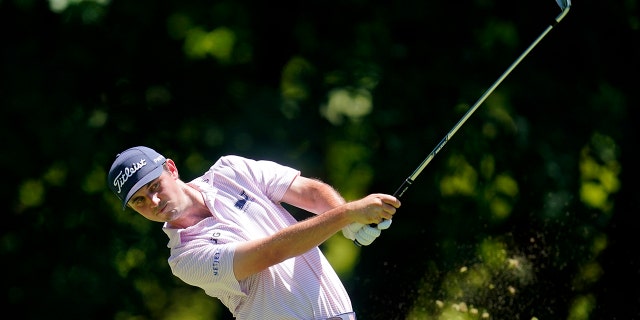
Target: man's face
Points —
{"points": [[158, 199]]}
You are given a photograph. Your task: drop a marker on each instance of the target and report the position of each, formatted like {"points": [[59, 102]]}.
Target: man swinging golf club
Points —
{"points": [[230, 235]]}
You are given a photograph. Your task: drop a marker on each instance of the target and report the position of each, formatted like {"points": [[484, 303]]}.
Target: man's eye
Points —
{"points": [[154, 186]]}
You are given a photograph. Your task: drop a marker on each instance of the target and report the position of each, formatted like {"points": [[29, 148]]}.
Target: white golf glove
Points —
{"points": [[384, 225], [364, 234], [367, 234], [350, 231]]}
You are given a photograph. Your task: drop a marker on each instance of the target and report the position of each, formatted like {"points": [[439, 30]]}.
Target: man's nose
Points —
{"points": [[155, 200]]}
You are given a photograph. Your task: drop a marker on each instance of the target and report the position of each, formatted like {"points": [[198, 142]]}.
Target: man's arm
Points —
{"points": [[256, 255], [312, 195]]}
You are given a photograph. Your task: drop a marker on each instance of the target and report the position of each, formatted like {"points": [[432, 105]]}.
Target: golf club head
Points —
{"points": [[564, 4]]}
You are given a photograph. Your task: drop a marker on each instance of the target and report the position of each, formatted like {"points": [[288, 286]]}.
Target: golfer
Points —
{"points": [[230, 235]]}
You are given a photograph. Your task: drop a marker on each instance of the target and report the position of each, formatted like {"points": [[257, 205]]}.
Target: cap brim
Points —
{"points": [[154, 174]]}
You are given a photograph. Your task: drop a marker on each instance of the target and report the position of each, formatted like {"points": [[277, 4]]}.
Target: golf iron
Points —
{"points": [[565, 5]]}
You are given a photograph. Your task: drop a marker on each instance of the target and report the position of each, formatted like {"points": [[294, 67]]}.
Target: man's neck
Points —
{"points": [[195, 212]]}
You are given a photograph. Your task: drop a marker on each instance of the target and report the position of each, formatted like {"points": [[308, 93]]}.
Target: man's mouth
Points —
{"points": [[162, 208]]}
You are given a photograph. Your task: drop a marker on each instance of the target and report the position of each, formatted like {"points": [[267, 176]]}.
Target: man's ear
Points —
{"points": [[171, 167]]}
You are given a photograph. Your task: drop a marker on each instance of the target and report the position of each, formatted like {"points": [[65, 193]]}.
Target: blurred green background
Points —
{"points": [[527, 213]]}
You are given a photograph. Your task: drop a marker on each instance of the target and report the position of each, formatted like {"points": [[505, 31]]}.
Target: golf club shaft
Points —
{"points": [[409, 180]]}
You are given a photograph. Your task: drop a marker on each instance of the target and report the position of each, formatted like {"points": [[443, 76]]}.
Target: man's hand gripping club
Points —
{"points": [[364, 234]]}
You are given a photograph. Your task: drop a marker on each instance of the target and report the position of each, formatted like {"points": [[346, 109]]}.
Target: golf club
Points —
{"points": [[564, 6]]}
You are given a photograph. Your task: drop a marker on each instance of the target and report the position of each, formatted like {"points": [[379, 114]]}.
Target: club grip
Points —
{"points": [[401, 190], [398, 194]]}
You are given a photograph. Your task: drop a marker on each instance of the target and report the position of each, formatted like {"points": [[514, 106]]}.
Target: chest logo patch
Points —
{"points": [[242, 202]]}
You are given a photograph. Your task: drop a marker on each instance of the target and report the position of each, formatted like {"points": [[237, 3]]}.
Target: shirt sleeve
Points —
{"points": [[210, 267], [272, 178]]}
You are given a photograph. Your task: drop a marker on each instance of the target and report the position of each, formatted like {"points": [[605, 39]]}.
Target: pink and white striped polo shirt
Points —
{"points": [[243, 196]]}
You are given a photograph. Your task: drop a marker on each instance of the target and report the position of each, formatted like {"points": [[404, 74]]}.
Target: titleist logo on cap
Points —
{"points": [[124, 175]]}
